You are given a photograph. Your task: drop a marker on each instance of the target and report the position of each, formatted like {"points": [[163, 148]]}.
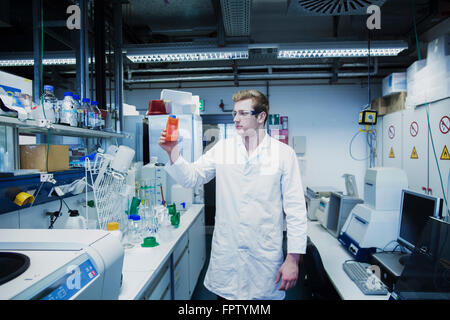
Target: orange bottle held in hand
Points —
{"points": [[172, 129]]}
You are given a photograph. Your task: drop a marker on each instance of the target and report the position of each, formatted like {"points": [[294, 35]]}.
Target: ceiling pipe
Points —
{"points": [[268, 67], [318, 75]]}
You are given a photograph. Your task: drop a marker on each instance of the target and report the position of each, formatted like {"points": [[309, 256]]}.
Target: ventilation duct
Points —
{"points": [[236, 17], [331, 7]]}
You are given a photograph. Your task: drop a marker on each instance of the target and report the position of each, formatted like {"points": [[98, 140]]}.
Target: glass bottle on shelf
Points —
{"points": [[92, 117], [98, 115], [86, 107], [68, 111], [77, 105], [50, 107]]}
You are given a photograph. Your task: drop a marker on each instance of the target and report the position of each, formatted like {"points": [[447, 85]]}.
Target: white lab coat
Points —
{"points": [[251, 195]]}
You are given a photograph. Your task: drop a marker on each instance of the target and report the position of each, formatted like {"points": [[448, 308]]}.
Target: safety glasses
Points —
{"points": [[244, 113]]}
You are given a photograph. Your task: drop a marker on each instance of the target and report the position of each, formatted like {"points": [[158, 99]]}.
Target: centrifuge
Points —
{"points": [[59, 264]]}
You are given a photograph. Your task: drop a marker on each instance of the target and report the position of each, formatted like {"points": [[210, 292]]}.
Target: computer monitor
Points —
{"points": [[414, 212]]}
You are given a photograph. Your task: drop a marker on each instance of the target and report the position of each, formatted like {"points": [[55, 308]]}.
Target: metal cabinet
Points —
{"points": [[406, 142], [439, 124], [392, 140], [415, 145], [180, 247], [181, 271], [181, 277], [160, 288], [197, 250]]}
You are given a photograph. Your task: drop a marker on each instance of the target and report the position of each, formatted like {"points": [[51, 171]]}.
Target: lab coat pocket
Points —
{"points": [[268, 243]]}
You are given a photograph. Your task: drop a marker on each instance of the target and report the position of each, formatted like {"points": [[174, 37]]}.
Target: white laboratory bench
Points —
{"points": [[333, 255], [171, 269]]}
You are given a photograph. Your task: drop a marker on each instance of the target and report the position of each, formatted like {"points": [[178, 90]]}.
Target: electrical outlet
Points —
{"points": [[47, 177]]}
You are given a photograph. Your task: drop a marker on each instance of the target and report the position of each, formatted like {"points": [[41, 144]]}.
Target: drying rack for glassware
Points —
{"points": [[107, 185]]}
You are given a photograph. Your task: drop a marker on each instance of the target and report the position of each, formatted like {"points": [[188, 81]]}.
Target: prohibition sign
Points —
{"points": [[414, 129], [391, 132], [444, 124]]}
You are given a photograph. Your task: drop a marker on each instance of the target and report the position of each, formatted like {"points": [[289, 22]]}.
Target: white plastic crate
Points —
{"points": [[430, 83], [394, 83]]}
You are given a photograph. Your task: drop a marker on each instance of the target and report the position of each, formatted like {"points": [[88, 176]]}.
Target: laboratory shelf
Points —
{"points": [[32, 126]]}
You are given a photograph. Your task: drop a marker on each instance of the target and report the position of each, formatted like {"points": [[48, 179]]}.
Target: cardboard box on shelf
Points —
{"points": [[392, 103], [34, 156], [396, 102], [379, 105]]}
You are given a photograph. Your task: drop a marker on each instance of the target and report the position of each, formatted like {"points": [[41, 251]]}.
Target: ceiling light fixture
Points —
{"points": [[50, 59], [184, 54], [341, 49]]}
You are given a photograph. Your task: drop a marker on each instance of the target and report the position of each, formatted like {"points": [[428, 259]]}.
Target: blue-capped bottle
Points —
{"points": [[77, 105], [97, 115], [68, 112], [85, 105], [91, 117], [49, 107]]}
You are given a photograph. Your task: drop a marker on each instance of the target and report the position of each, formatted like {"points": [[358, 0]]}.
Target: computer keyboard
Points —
{"points": [[366, 281]]}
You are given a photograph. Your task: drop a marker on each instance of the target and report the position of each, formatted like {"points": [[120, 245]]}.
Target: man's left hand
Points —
{"points": [[288, 272]]}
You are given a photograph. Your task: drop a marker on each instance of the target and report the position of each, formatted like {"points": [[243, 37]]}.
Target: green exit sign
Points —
{"points": [[202, 105]]}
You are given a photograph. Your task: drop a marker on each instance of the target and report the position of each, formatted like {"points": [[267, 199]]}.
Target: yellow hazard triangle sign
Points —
{"points": [[391, 154], [445, 155], [414, 154]]}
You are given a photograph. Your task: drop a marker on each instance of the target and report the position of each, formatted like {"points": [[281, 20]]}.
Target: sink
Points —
{"points": [[12, 265]]}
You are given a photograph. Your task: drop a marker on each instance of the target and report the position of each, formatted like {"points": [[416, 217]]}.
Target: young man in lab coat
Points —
{"points": [[257, 182]]}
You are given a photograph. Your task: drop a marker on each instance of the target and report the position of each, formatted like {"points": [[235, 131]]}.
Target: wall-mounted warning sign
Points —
{"points": [[414, 154], [391, 132], [445, 155], [391, 153], [414, 129], [444, 124]]}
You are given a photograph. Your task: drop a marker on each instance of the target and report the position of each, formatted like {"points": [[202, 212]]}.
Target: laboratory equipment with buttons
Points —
{"points": [[40, 264], [313, 195], [339, 207], [374, 223]]}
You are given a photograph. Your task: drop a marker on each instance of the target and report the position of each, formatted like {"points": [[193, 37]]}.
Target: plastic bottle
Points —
{"points": [[77, 105], [50, 104], [75, 221], [92, 117], [113, 228], [85, 106], [98, 115], [172, 128], [68, 110]]}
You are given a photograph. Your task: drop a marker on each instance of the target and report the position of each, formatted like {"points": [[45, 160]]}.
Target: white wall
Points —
{"points": [[326, 115]]}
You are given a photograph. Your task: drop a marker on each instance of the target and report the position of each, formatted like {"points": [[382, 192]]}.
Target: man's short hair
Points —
{"points": [[260, 102]]}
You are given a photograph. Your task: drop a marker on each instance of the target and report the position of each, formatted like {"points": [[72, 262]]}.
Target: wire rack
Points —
{"points": [[107, 186]]}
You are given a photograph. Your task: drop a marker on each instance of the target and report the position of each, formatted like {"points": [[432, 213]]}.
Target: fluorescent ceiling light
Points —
{"points": [[183, 54], [50, 59], [30, 62], [341, 49]]}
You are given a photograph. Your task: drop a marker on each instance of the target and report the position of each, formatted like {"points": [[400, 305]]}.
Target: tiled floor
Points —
{"points": [[201, 293]]}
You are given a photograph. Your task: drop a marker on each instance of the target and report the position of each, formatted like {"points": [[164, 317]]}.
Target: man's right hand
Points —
{"points": [[171, 147]]}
